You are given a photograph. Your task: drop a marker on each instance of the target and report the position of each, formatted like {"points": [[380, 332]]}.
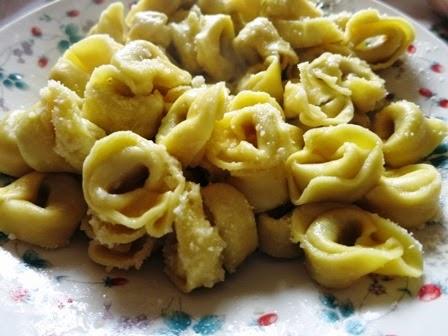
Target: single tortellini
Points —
{"points": [[194, 254], [11, 160], [74, 68], [407, 134], [252, 141], [124, 256], [111, 104], [331, 88], [337, 163], [259, 39], [274, 235], [145, 68], [408, 195], [150, 26], [111, 22], [42, 209], [53, 136], [379, 40], [265, 77], [213, 44], [346, 243], [134, 182], [310, 32], [229, 211], [189, 123]]}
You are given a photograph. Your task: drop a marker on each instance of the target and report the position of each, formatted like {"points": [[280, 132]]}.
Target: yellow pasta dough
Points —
{"points": [[111, 22], [407, 134], [134, 182], [408, 195], [379, 40], [111, 104], [229, 211], [194, 256], [343, 244], [150, 26], [53, 136], [74, 68], [189, 123], [337, 163], [11, 160], [42, 209]]}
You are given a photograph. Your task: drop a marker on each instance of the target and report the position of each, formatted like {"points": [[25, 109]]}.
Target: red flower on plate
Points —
{"points": [[42, 61], [437, 67], [429, 292], [73, 13], [267, 319], [443, 103], [36, 31], [412, 49], [19, 294], [425, 92]]}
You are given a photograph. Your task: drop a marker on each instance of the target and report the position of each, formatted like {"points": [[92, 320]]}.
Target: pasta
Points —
{"points": [[193, 258], [345, 243], [42, 209], [408, 195], [143, 171], [407, 134], [339, 163], [209, 129], [74, 68], [189, 123], [379, 40]]}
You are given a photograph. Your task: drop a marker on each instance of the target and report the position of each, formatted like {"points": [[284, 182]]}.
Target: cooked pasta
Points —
{"points": [[188, 125], [408, 195], [132, 181], [211, 128], [407, 134], [194, 255], [74, 68], [343, 244], [42, 209], [337, 163]]}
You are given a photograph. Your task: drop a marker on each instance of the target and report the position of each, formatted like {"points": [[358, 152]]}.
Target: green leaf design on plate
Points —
{"points": [[33, 259]]}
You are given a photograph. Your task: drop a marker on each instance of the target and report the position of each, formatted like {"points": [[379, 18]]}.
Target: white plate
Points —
{"points": [[55, 293]]}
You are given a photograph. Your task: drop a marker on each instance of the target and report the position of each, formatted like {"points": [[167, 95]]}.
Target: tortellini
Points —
{"points": [[42, 209], [408, 195], [232, 215], [337, 163], [331, 88], [194, 256], [259, 39], [111, 104], [379, 40], [111, 22], [134, 182], [189, 123], [251, 142], [343, 244], [53, 136], [11, 160], [150, 26], [74, 68], [407, 134]]}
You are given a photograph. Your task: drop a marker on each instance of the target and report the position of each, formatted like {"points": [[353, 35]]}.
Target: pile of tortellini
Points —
{"points": [[207, 129]]}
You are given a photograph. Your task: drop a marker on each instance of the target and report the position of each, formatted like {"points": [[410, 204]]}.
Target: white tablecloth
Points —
{"points": [[418, 9]]}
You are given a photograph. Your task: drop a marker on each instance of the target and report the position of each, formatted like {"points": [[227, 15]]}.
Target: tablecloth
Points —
{"points": [[417, 9]]}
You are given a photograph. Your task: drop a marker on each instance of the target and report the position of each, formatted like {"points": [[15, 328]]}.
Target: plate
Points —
{"points": [[57, 293]]}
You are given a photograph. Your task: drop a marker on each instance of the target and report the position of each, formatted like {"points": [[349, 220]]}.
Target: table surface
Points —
{"points": [[417, 9]]}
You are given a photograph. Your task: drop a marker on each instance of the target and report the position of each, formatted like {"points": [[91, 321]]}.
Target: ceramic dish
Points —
{"points": [[58, 293]]}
